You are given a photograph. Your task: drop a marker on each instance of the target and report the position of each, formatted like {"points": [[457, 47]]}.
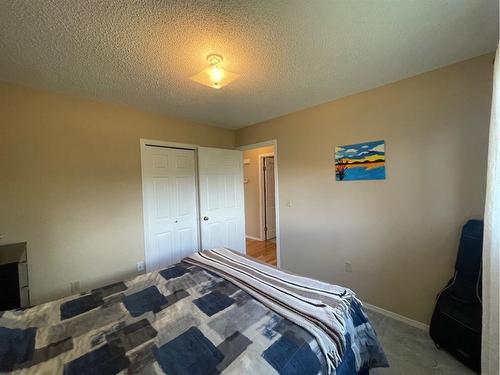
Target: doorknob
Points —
{"points": [[205, 218]]}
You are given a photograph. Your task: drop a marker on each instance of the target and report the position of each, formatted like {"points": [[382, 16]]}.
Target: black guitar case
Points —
{"points": [[456, 322]]}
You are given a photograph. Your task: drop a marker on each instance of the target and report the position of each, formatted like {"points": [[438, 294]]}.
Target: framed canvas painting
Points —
{"points": [[361, 161]]}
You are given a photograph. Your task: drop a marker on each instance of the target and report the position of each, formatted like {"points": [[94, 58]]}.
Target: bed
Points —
{"points": [[215, 312]]}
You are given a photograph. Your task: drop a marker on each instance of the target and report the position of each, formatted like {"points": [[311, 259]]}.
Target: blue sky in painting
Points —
{"points": [[360, 150]]}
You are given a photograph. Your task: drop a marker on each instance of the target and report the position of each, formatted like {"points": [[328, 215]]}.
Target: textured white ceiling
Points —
{"points": [[290, 54]]}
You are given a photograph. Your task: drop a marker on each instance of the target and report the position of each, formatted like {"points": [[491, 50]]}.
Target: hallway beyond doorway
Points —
{"points": [[265, 251]]}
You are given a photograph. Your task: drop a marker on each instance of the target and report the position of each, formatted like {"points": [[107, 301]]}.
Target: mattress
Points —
{"points": [[180, 320]]}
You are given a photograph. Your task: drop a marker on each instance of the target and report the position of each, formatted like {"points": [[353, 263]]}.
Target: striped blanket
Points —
{"points": [[320, 308]]}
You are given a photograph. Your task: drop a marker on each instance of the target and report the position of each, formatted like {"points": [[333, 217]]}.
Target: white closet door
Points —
{"points": [[169, 190], [221, 198]]}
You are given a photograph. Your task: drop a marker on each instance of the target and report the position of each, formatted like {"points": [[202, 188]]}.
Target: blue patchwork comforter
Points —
{"points": [[180, 320]]}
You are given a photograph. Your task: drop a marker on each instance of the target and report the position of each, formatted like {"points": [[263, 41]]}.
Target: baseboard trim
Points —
{"points": [[253, 238], [393, 315]]}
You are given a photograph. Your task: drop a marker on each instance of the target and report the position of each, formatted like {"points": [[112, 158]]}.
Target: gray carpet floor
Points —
{"points": [[411, 351]]}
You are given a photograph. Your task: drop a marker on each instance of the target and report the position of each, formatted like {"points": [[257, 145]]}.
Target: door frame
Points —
{"points": [[262, 198], [150, 142], [274, 143]]}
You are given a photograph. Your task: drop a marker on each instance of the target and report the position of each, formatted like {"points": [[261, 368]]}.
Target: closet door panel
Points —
{"points": [[170, 205]]}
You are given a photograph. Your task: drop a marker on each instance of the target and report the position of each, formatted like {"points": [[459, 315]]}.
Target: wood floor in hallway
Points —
{"points": [[264, 251]]}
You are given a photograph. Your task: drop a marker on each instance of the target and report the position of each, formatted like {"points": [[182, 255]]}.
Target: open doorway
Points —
{"points": [[260, 181]]}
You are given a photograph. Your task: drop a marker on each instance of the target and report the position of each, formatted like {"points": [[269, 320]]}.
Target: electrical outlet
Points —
{"points": [[2, 236], [288, 203], [74, 286], [140, 266], [348, 267]]}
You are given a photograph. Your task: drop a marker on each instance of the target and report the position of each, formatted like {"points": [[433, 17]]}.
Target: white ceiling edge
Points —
{"points": [[289, 55], [492, 53], [197, 122]]}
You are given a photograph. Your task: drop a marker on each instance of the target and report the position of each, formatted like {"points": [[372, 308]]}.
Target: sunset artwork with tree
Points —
{"points": [[340, 167], [361, 161]]}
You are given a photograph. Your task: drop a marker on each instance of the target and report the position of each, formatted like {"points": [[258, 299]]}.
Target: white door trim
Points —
{"points": [[273, 143], [393, 315], [262, 218], [154, 142], [150, 142]]}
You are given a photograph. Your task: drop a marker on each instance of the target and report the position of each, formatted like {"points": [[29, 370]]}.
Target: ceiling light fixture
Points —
{"points": [[214, 76]]}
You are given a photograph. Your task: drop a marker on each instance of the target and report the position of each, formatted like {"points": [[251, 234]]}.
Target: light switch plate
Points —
{"points": [[348, 267], [74, 286], [140, 266]]}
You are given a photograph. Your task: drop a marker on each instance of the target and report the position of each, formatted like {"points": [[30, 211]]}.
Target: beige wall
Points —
{"points": [[252, 192], [400, 234], [70, 184]]}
